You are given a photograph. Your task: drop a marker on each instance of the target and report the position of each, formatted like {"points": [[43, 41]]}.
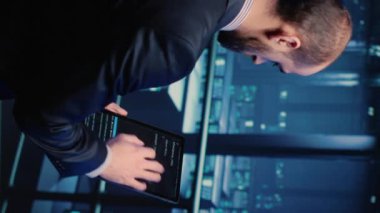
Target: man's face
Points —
{"points": [[263, 53]]}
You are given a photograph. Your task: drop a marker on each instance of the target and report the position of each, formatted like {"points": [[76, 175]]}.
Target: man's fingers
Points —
{"points": [[138, 185], [130, 138], [154, 166], [150, 176], [113, 107], [149, 153]]}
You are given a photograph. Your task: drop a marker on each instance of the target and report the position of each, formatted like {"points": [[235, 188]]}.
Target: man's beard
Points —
{"points": [[238, 43]]}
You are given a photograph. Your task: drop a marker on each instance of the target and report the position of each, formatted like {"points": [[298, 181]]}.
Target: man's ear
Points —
{"points": [[285, 43]]}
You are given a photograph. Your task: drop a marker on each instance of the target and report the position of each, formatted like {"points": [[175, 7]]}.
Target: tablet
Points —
{"points": [[168, 146]]}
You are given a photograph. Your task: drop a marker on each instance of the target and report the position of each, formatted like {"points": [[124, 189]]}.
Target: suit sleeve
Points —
{"points": [[71, 147]]}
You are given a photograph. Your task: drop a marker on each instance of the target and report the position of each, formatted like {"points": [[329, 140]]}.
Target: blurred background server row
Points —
{"points": [[275, 143]]}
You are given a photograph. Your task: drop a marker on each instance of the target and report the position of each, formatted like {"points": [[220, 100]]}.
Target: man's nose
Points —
{"points": [[258, 60]]}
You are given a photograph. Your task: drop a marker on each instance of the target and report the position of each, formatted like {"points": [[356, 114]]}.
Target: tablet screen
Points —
{"points": [[168, 147]]}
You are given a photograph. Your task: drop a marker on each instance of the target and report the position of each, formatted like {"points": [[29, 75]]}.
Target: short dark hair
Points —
{"points": [[324, 27]]}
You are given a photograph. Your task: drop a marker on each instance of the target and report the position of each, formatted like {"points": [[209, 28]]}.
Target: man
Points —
{"points": [[64, 60]]}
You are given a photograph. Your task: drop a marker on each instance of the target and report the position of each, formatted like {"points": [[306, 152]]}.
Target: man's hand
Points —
{"points": [[113, 107], [131, 160]]}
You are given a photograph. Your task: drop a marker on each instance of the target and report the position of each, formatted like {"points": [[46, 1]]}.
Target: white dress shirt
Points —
{"points": [[241, 16]]}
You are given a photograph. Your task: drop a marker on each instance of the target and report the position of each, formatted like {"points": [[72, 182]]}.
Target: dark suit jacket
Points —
{"points": [[67, 59]]}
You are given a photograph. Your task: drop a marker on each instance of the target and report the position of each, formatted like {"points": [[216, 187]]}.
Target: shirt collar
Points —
{"points": [[241, 16]]}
